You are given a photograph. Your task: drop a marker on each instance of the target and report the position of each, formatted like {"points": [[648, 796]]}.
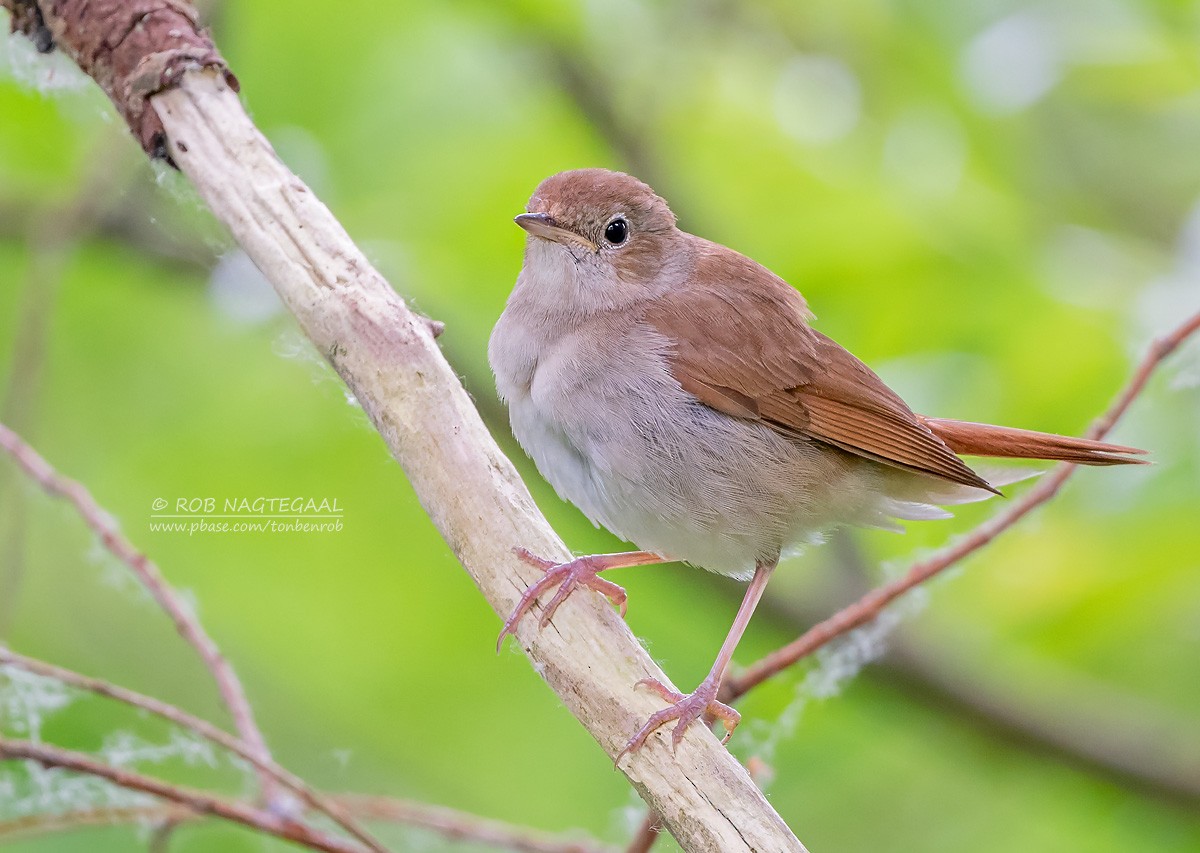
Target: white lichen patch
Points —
{"points": [[125, 749], [26, 700]]}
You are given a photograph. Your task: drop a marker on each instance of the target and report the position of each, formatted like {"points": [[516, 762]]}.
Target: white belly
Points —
{"points": [[640, 456]]}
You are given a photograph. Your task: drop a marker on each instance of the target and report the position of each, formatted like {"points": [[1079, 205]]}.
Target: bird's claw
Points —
{"points": [[582, 571], [686, 709]]}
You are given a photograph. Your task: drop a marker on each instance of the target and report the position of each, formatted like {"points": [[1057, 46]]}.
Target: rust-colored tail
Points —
{"points": [[987, 440]]}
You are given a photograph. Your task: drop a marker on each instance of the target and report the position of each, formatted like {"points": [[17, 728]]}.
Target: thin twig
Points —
{"points": [[906, 664], [449, 823], [394, 368], [453, 823], [870, 605], [200, 727], [471, 492], [1095, 726], [646, 834], [31, 826], [199, 802], [186, 622], [51, 234], [164, 831], [1121, 738]]}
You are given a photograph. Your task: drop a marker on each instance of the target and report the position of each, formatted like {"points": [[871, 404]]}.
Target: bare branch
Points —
{"points": [[31, 826], [160, 839], [646, 835], [51, 234], [186, 622], [1151, 766], [387, 356], [449, 823], [870, 605], [203, 728], [196, 801], [456, 824], [1125, 739]]}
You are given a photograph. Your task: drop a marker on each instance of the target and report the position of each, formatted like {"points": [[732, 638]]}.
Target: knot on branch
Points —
{"points": [[133, 48]]}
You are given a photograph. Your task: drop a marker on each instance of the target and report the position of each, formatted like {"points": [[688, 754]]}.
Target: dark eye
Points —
{"points": [[616, 231]]}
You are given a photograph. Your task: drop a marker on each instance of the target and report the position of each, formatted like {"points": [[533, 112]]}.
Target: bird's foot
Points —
{"points": [[582, 571], [686, 709]]}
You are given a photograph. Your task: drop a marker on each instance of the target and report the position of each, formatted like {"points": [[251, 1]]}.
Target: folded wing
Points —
{"points": [[745, 348]]}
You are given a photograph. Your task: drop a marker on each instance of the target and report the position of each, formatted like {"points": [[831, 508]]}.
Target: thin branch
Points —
{"points": [[196, 801], [472, 493], [200, 727], [32, 826], [449, 823], [186, 622], [870, 605], [456, 824], [388, 357], [586, 88], [1101, 730], [133, 225], [164, 831], [645, 835], [51, 233], [1150, 768]]}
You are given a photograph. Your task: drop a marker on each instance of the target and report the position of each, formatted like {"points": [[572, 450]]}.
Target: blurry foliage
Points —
{"points": [[995, 204]]}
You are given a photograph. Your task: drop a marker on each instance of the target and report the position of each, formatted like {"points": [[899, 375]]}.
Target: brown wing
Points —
{"points": [[744, 347]]}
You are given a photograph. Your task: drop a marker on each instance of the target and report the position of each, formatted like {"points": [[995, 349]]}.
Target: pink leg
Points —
{"points": [[687, 709], [582, 571]]}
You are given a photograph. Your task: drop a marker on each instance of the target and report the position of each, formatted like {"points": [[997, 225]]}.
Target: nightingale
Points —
{"points": [[675, 392]]}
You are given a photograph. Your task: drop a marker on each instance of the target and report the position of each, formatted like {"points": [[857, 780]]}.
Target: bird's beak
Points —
{"points": [[543, 225]]}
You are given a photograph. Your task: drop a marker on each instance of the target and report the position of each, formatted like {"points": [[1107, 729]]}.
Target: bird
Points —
{"points": [[677, 393]]}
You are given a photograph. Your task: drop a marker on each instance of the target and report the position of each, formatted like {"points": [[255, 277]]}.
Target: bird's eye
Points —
{"points": [[616, 231]]}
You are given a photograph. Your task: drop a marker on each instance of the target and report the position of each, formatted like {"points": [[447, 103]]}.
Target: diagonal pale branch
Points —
{"points": [[178, 101], [871, 604], [388, 358], [343, 809]]}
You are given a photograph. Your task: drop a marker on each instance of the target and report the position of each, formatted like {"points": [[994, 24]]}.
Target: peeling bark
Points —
{"points": [[133, 48]]}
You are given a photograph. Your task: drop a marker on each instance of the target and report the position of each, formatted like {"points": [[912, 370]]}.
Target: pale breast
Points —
{"points": [[606, 424]]}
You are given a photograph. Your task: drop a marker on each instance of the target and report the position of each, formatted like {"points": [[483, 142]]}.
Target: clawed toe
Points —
{"points": [[685, 709], [582, 571], [533, 559]]}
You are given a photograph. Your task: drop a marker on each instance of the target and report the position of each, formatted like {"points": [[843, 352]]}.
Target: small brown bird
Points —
{"points": [[675, 392]]}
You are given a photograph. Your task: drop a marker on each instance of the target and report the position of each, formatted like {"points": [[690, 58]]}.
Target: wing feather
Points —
{"points": [[742, 345]]}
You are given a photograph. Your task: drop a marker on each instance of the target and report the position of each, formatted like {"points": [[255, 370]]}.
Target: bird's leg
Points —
{"points": [[703, 700], [582, 571]]}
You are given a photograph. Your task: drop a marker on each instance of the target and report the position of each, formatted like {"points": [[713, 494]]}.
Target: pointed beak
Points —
{"points": [[543, 225]]}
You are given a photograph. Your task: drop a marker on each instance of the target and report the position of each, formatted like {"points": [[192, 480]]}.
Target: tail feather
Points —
{"points": [[971, 439]]}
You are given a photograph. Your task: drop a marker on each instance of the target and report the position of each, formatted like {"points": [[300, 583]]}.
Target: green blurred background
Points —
{"points": [[994, 204]]}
